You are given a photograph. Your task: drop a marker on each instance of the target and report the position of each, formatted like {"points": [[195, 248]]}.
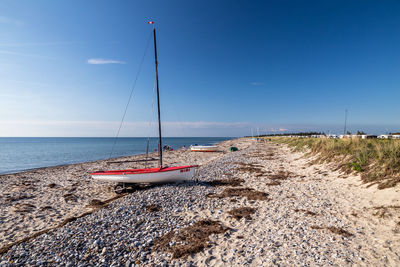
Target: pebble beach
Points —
{"points": [[263, 205]]}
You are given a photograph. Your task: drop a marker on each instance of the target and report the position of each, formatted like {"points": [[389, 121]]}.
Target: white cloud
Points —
{"points": [[99, 61], [10, 21], [256, 83]]}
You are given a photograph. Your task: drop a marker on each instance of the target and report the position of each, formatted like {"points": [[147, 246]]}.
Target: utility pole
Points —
{"points": [[345, 121]]}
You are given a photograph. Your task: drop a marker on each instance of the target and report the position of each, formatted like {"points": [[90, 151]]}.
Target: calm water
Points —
{"points": [[18, 154]]}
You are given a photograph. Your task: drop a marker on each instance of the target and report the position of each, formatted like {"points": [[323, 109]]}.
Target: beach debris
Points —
{"points": [[242, 212], [189, 240], [233, 148]]}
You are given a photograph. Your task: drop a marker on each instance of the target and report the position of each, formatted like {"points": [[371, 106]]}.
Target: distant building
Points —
{"points": [[396, 136], [368, 136], [385, 136]]}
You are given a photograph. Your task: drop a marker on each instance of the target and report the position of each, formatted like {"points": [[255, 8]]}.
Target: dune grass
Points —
{"points": [[377, 160]]}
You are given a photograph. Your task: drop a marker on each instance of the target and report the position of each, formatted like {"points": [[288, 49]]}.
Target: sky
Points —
{"points": [[226, 68]]}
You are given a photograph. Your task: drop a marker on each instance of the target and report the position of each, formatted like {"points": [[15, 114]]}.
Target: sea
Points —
{"points": [[24, 153]]}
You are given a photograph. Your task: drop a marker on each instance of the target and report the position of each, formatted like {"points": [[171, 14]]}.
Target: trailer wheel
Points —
{"points": [[119, 189]]}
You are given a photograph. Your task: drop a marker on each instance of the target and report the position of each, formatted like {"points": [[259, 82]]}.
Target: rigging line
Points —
{"points": [[130, 96], [150, 120]]}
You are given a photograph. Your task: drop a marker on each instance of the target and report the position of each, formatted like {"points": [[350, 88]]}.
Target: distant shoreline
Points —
{"points": [[133, 154]]}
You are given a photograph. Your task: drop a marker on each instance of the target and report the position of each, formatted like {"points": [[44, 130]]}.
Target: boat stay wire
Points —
{"points": [[150, 122], [131, 94]]}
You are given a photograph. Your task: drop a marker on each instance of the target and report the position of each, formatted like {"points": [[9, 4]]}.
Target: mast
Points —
{"points": [[158, 102]]}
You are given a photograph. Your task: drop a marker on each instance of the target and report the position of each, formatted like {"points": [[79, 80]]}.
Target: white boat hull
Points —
{"points": [[203, 148], [146, 177]]}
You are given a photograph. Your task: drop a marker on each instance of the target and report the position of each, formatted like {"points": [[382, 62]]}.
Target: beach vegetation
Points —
{"points": [[377, 160]]}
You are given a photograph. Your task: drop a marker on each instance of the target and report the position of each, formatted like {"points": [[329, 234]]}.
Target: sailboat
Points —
{"points": [[162, 174]]}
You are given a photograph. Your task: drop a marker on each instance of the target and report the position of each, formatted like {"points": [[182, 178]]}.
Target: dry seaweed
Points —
{"points": [[226, 182], [69, 197], [335, 230], [273, 183], [52, 185], [95, 203], [249, 193], [250, 167], [281, 175], [153, 208], [24, 208], [189, 240], [308, 212], [243, 212]]}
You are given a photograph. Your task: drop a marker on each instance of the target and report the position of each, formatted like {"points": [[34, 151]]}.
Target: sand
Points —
{"points": [[275, 207], [40, 199]]}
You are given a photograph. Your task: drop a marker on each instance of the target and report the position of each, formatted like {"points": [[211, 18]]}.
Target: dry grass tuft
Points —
{"points": [[243, 212], [189, 240], [385, 211], [377, 160]]}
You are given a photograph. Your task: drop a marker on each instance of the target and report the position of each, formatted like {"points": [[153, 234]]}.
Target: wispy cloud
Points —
{"points": [[38, 44], [8, 52], [256, 83], [108, 128], [100, 61], [274, 130], [10, 21]]}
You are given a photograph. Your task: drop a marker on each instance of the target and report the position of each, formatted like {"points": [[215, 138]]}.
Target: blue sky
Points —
{"points": [[224, 66]]}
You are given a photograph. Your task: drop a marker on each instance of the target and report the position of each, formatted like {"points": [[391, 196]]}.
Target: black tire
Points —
{"points": [[119, 189]]}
